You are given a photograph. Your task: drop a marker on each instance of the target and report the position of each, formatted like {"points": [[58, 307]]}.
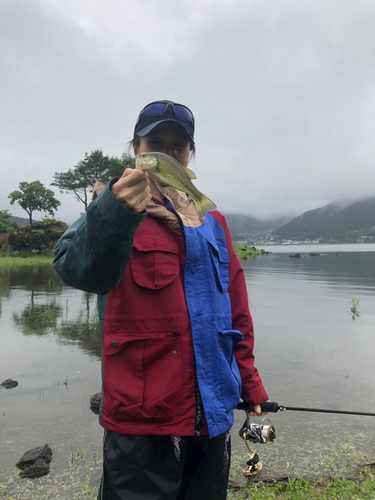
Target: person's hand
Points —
{"points": [[257, 412], [132, 190]]}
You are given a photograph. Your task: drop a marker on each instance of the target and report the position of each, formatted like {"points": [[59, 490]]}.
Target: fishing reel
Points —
{"points": [[256, 433]]}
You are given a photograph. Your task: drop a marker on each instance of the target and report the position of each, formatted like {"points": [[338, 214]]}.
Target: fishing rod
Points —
{"points": [[274, 407], [265, 432]]}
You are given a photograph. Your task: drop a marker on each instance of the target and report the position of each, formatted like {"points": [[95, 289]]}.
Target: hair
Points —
{"points": [[136, 141]]}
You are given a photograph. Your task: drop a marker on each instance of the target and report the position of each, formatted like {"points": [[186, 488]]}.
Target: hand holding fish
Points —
{"points": [[132, 190], [169, 171]]}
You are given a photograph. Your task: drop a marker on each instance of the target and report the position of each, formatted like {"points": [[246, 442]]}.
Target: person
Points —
{"points": [[177, 334]]}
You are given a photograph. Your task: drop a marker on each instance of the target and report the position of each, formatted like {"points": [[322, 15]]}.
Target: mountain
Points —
{"points": [[241, 225], [21, 221], [334, 221]]}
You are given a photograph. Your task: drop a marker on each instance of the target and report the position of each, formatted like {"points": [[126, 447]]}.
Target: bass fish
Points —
{"points": [[171, 172]]}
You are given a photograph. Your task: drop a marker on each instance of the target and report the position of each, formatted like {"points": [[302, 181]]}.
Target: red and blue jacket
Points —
{"points": [[177, 333]]}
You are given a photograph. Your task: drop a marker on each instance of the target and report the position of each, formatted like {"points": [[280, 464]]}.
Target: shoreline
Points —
{"points": [[26, 261]]}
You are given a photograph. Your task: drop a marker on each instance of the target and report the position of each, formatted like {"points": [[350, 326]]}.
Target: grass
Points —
{"points": [[80, 477], [354, 308], [244, 251], [34, 260], [73, 483], [360, 487]]}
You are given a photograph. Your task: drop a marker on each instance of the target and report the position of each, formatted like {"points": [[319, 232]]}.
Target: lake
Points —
{"points": [[309, 351]]}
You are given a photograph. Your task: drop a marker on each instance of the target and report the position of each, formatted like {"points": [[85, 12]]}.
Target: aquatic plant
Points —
{"points": [[354, 304]]}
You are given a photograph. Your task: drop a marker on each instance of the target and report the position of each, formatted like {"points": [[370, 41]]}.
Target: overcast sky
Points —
{"points": [[283, 92]]}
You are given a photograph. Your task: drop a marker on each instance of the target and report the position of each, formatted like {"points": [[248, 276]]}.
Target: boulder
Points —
{"points": [[295, 256], [43, 452], [95, 401], [38, 469], [9, 383]]}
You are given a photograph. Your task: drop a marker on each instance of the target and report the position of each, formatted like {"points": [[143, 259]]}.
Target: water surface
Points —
{"points": [[309, 351]]}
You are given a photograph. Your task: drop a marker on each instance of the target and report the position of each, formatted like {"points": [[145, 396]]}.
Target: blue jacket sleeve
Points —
{"points": [[93, 253]]}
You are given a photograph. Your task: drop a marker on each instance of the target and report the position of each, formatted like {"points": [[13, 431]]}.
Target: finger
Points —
{"points": [[132, 181], [257, 410], [138, 206], [136, 197], [134, 171]]}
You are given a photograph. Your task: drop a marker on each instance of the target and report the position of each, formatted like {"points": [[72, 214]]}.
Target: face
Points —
{"points": [[167, 138]]}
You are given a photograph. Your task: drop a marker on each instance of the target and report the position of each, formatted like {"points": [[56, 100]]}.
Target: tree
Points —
{"points": [[80, 179], [117, 166], [33, 196], [7, 225]]}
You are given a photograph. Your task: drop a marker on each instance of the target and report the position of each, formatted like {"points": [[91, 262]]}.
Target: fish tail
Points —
{"points": [[203, 205]]}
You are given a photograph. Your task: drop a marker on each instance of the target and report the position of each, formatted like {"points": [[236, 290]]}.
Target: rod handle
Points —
{"points": [[269, 406]]}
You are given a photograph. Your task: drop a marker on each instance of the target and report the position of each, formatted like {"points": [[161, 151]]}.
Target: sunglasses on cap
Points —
{"points": [[159, 111], [159, 108]]}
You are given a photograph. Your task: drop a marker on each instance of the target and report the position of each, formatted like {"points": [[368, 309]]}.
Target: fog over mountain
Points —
{"points": [[282, 92], [331, 221]]}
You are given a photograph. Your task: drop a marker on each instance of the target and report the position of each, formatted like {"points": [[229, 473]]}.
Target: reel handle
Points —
{"points": [[270, 406]]}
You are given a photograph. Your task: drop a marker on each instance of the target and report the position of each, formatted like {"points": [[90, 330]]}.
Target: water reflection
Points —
{"points": [[70, 316], [29, 277], [85, 333], [38, 319]]}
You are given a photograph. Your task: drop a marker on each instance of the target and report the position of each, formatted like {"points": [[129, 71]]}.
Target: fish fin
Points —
{"points": [[204, 205], [190, 173], [182, 194]]}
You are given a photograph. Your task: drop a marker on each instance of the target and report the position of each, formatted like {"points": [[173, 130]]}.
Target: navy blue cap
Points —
{"points": [[164, 111]]}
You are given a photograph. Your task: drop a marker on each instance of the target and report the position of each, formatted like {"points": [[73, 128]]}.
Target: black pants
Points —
{"points": [[156, 468]]}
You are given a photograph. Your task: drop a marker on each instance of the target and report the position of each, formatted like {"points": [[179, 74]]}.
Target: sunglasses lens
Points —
{"points": [[156, 109], [183, 113]]}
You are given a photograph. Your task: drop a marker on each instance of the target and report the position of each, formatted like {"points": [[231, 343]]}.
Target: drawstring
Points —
{"points": [[226, 454], [176, 444]]}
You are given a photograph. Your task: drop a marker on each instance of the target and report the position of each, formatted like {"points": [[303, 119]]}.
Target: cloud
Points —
{"points": [[283, 93]]}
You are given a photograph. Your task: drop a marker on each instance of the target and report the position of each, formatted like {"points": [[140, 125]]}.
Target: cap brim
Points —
{"points": [[146, 130]]}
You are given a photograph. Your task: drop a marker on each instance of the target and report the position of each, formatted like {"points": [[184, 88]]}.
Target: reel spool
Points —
{"points": [[256, 433]]}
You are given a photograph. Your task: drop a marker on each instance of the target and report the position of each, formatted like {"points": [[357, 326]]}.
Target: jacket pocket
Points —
{"points": [[220, 260], [154, 262], [143, 377], [230, 378]]}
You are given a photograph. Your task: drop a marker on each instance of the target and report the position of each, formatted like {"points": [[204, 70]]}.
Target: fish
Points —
{"points": [[168, 170]]}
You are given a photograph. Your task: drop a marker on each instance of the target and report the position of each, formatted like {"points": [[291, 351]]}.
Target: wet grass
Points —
{"points": [[35, 260], [75, 482], [354, 305], [245, 251], [361, 487]]}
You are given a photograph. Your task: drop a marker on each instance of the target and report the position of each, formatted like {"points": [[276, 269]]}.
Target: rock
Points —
{"points": [[43, 452], [95, 401], [9, 383], [244, 258], [38, 469], [295, 256]]}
